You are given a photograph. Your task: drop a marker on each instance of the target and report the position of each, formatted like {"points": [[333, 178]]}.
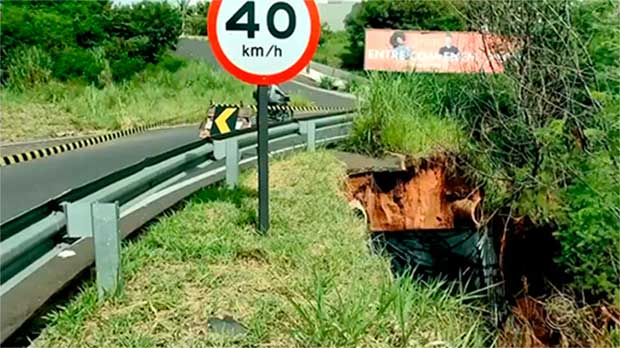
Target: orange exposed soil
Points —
{"points": [[423, 197]]}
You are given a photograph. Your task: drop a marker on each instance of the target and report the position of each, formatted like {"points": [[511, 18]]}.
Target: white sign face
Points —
{"points": [[264, 41]]}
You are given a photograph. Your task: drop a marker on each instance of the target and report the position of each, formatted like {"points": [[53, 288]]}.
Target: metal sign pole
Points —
{"points": [[263, 160]]}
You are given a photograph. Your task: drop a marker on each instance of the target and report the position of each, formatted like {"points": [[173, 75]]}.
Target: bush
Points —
{"points": [[195, 19], [77, 63], [154, 28], [590, 233], [327, 82], [28, 66], [125, 67], [128, 37], [332, 47], [171, 63]]}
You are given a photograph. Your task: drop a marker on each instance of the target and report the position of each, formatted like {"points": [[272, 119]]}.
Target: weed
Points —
{"points": [[327, 82], [394, 117]]}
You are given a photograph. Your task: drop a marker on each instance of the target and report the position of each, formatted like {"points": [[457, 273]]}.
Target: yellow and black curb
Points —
{"points": [[78, 144], [284, 107]]}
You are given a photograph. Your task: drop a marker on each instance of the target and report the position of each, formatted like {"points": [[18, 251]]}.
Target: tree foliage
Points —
{"points": [[84, 38]]}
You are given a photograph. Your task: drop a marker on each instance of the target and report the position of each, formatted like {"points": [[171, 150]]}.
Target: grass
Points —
{"points": [[332, 48], [311, 282], [154, 95], [54, 109], [394, 117]]}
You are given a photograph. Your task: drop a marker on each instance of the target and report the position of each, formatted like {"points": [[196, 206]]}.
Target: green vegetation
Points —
{"points": [[332, 46], [312, 282], [327, 82], [542, 138], [394, 116], [174, 91], [194, 17], [85, 39]]}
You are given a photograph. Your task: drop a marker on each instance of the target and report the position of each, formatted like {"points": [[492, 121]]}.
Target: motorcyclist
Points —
{"points": [[275, 96]]}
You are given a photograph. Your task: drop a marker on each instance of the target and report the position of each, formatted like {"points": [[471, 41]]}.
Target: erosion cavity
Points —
{"points": [[426, 217], [422, 197]]}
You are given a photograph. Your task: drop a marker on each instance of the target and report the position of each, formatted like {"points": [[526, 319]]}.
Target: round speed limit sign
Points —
{"points": [[264, 42]]}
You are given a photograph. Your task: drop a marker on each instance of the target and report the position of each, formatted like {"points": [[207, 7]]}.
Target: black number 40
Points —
{"points": [[251, 27]]}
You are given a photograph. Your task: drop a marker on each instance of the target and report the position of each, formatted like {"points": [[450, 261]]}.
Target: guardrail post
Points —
{"points": [[232, 162], [105, 217], [308, 128], [99, 221]]}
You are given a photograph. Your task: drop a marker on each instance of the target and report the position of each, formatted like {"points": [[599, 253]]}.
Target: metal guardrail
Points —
{"points": [[37, 256]]}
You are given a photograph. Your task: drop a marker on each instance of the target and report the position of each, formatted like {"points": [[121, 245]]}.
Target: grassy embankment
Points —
{"points": [[156, 94], [65, 108], [311, 282]]}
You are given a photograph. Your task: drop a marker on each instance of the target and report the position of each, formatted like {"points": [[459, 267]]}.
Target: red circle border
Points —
{"points": [[274, 79]]}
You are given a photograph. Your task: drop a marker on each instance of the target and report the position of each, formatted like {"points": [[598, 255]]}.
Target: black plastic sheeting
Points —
{"points": [[450, 254]]}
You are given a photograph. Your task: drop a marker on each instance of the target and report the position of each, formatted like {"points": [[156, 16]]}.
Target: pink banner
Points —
{"points": [[433, 51]]}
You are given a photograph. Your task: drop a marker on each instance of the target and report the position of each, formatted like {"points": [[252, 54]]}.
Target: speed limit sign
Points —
{"points": [[264, 42]]}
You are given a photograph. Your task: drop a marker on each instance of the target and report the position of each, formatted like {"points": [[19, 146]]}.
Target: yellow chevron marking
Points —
{"points": [[3, 162], [221, 119]]}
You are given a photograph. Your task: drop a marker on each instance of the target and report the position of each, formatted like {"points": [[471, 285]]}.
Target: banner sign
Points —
{"points": [[433, 51]]}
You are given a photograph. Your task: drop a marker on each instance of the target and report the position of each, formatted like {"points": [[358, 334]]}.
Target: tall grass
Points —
{"points": [[28, 66], [311, 282], [395, 115], [156, 94]]}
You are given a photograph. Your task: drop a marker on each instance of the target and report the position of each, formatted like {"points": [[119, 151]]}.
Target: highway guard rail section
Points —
{"points": [[38, 259]]}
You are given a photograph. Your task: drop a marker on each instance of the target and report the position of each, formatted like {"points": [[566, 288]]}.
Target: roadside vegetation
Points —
{"points": [[80, 67], [542, 139], [332, 46], [313, 281], [173, 91]]}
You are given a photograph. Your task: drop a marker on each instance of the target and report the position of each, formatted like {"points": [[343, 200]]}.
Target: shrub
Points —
{"points": [[327, 82], [77, 63], [71, 31], [590, 233], [125, 67], [171, 63], [154, 28], [28, 66]]}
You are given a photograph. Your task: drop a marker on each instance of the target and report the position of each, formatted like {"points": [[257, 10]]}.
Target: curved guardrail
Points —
{"points": [[37, 256]]}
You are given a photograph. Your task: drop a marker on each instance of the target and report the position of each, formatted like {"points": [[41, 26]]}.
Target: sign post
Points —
{"points": [[263, 42], [263, 159]]}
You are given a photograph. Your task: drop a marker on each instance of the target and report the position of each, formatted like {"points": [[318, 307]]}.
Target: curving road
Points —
{"points": [[201, 50], [29, 184]]}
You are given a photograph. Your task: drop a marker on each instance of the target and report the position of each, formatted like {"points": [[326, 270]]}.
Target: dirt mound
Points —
{"points": [[423, 197]]}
